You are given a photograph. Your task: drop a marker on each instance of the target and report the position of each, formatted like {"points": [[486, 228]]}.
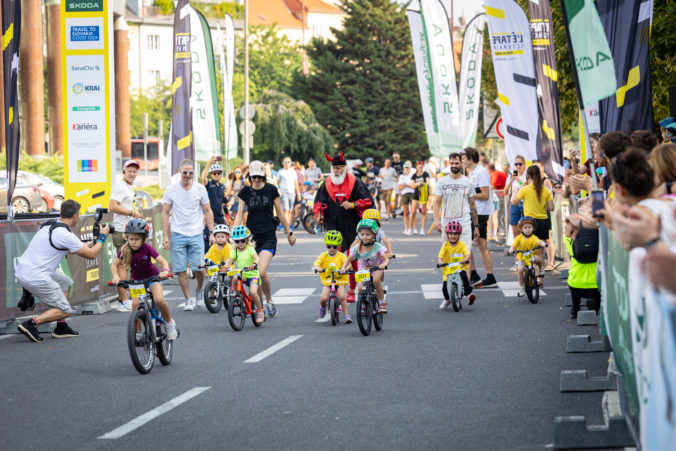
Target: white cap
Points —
{"points": [[256, 168]]}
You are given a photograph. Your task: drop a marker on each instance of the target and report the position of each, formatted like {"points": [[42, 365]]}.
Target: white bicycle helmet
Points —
{"points": [[215, 167], [221, 228]]}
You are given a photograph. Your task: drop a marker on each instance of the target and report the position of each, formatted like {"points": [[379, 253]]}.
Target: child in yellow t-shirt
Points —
{"points": [[455, 251], [524, 242], [220, 251], [332, 260]]}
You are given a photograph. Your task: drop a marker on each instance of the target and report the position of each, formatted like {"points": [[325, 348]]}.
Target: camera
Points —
{"points": [[96, 230]]}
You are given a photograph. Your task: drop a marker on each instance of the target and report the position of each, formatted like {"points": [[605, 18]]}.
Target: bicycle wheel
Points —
{"points": [[225, 293], [364, 315], [236, 313], [377, 317], [310, 223], [333, 308], [532, 288], [212, 298], [165, 347], [455, 299], [141, 349]]}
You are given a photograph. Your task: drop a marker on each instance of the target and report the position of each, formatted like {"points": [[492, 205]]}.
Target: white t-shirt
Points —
{"points": [[388, 176], [287, 180], [480, 177], [407, 181], [186, 208], [40, 260], [124, 194], [455, 194]]}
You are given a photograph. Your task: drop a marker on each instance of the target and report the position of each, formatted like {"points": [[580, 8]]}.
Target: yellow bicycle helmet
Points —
{"points": [[333, 238], [371, 213]]}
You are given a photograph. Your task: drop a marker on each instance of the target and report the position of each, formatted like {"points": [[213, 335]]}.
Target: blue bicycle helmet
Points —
{"points": [[137, 226], [241, 232]]}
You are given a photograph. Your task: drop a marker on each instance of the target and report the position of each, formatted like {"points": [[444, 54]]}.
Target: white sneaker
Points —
{"points": [[444, 304], [521, 292], [422, 231], [199, 299], [171, 330], [124, 306], [189, 305], [405, 232], [415, 231]]}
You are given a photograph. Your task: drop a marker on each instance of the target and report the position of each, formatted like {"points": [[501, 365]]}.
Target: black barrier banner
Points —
{"points": [[546, 77], [11, 32], [182, 143], [627, 26]]}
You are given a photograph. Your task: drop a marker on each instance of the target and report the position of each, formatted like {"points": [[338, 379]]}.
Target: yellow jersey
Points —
{"points": [[531, 205], [523, 244], [453, 254], [325, 261], [217, 255]]}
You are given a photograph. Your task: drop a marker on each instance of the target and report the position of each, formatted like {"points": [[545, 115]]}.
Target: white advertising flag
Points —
{"points": [[229, 107], [470, 78]]}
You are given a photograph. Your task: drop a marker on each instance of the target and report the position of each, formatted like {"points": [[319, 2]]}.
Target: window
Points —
{"points": [[153, 42], [155, 75]]}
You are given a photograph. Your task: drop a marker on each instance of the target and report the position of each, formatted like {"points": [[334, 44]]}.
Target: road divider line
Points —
{"points": [[272, 349], [152, 414]]}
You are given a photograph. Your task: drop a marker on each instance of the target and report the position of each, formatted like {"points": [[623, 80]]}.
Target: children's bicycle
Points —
{"points": [[217, 292], [530, 280], [367, 303], [146, 330], [241, 304], [333, 304], [454, 282]]}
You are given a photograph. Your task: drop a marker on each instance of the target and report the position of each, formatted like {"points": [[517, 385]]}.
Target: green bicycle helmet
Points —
{"points": [[241, 232], [369, 224], [333, 238]]}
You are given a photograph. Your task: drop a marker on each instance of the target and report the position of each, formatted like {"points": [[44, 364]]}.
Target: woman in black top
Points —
{"points": [[262, 199], [421, 181]]}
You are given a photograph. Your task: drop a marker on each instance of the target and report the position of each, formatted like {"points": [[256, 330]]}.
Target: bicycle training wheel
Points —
{"points": [[165, 347], [212, 299], [377, 317], [140, 343], [364, 315], [333, 308], [455, 299], [532, 288], [236, 313]]}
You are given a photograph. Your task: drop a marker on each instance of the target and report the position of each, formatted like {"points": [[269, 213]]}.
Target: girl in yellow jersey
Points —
{"points": [[332, 260], [455, 251]]}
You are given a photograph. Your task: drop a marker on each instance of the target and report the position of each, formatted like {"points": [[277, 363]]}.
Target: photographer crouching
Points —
{"points": [[36, 271]]}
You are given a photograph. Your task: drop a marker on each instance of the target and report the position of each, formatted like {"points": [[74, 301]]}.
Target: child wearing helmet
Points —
{"points": [[526, 241], [374, 214], [244, 256], [138, 256], [220, 251], [450, 251], [332, 260], [369, 253]]}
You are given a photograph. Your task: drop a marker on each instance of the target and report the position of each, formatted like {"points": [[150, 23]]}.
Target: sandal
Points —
{"points": [[549, 268]]}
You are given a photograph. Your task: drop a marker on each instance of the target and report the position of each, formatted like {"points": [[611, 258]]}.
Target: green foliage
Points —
{"points": [[166, 6], [153, 190], [662, 56], [287, 127], [50, 167], [157, 103], [273, 59], [219, 10], [363, 87]]}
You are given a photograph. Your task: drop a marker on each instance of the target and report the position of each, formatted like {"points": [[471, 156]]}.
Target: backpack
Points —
{"points": [[586, 246], [54, 224]]}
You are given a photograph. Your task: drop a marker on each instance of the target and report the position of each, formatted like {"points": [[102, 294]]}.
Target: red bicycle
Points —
{"points": [[241, 305]]}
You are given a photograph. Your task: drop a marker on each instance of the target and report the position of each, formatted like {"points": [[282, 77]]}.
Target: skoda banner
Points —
{"points": [[470, 78]]}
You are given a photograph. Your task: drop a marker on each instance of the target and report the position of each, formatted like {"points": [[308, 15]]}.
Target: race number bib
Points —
{"points": [[137, 290], [361, 276], [212, 270]]}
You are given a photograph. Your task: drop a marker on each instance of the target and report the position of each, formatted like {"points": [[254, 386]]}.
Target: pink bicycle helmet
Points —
{"points": [[453, 227]]}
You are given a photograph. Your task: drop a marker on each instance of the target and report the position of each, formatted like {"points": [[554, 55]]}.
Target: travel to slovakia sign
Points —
{"points": [[86, 38]]}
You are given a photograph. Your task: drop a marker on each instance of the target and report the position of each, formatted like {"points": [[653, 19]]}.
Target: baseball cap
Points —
{"points": [[131, 163], [407, 165], [256, 168], [369, 160], [667, 121]]}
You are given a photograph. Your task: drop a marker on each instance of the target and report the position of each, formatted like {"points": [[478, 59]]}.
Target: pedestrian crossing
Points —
{"points": [[292, 295], [511, 289]]}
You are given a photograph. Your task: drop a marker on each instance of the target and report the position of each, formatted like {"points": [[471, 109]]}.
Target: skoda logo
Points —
{"points": [[78, 88]]}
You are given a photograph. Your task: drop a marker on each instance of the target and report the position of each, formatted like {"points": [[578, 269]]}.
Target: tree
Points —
{"points": [[363, 87], [157, 103], [273, 59], [662, 57]]}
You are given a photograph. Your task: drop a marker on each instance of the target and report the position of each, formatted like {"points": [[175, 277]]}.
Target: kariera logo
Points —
{"points": [[80, 126], [78, 88]]}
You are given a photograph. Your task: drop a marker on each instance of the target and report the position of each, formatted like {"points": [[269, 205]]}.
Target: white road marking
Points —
{"points": [[326, 318], [433, 295], [515, 293], [280, 300], [292, 295], [272, 349], [2, 337], [152, 414], [431, 287]]}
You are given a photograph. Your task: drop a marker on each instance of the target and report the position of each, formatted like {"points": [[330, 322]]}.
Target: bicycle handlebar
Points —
{"points": [[126, 283], [535, 248], [371, 269]]}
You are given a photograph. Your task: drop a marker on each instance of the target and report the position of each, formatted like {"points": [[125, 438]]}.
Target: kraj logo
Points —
{"points": [[85, 68], [78, 88], [84, 33], [91, 5], [84, 126]]}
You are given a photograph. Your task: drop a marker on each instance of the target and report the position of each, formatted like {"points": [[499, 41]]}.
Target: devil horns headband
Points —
{"points": [[336, 160]]}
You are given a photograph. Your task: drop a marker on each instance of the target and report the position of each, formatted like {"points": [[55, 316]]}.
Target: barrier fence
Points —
{"points": [[89, 276]]}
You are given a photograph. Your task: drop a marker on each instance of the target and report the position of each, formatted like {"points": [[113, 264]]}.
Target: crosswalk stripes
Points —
{"points": [[432, 291], [292, 295], [511, 289]]}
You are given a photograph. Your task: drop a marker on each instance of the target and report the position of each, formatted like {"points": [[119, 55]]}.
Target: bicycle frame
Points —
{"points": [[146, 302], [238, 286]]}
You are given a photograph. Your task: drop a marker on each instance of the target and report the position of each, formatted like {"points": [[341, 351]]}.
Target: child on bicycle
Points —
{"points": [[244, 256], [526, 241], [369, 253], [454, 248], [328, 261], [220, 251], [374, 214], [138, 255]]}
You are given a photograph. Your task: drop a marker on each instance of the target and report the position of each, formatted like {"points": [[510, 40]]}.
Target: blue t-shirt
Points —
{"points": [[216, 193]]}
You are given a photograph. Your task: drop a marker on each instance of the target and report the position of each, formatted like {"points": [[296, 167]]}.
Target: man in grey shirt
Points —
{"points": [[313, 174], [388, 175]]}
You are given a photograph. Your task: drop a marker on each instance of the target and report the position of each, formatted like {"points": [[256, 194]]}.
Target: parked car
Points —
{"points": [[53, 189], [26, 197]]}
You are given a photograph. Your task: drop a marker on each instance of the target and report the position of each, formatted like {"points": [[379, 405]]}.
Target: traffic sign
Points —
{"points": [[243, 130], [500, 128], [250, 142], [243, 115]]}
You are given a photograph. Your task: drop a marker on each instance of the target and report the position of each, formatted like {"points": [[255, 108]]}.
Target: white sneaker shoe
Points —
{"points": [[199, 298], [521, 293], [124, 306], [422, 231], [444, 304], [415, 231], [189, 305], [172, 334]]}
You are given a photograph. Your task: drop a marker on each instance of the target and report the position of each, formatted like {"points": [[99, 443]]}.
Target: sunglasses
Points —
{"points": [[518, 164], [240, 241], [217, 172], [329, 246], [237, 172], [187, 173], [257, 177]]}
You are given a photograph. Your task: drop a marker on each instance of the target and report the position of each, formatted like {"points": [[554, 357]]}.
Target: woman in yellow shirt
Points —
{"points": [[537, 201]]}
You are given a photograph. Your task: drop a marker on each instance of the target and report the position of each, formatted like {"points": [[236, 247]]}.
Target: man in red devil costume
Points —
{"points": [[339, 204]]}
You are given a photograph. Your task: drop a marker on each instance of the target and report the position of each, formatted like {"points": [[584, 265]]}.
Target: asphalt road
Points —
{"points": [[484, 378]]}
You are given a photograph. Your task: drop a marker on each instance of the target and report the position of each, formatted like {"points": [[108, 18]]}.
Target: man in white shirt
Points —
{"points": [[289, 188], [484, 205], [36, 270], [188, 204], [388, 176], [122, 206]]}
